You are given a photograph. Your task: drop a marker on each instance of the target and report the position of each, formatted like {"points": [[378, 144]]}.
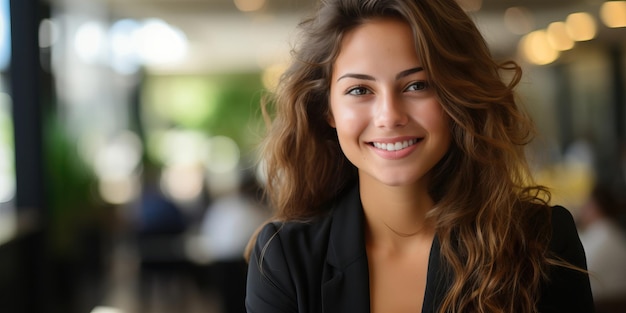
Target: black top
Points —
{"points": [[321, 266]]}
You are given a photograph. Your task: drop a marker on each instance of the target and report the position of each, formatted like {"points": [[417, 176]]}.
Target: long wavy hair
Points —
{"points": [[492, 221]]}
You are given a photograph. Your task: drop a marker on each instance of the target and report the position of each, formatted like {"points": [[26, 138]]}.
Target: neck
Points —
{"points": [[395, 215]]}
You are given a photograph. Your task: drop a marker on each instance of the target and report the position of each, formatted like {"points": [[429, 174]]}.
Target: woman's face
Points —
{"points": [[389, 122]]}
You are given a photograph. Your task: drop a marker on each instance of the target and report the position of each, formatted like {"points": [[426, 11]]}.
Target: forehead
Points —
{"points": [[378, 43]]}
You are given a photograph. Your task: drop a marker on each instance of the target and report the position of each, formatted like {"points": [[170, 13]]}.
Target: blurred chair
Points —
{"points": [[224, 232], [164, 267], [604, 241]]}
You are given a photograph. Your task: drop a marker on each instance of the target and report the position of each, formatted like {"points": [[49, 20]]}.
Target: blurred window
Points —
{"points": [[7, 148]]}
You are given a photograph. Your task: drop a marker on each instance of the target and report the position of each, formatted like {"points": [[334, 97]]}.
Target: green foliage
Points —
{"points": [[71, 202], [226, 105]]}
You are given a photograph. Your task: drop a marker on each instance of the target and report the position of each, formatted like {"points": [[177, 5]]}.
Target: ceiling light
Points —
{"points": [[581, 26], [536, 48], [558, 37], [613, 13]]}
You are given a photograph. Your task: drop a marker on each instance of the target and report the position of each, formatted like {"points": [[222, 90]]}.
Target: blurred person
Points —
{"points": [[158, 214], [225, 229], [605, 245], [396, 168], [160, 228]]}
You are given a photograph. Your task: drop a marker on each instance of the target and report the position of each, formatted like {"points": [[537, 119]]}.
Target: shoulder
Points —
{"points": [[290, 260], [562, 217], [286, 260], [291, 251], [310, 239], [565, 242], [567, 288], [295, 237]]}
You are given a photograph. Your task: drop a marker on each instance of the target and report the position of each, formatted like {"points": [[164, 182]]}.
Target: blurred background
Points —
{"points": [[128, 132]]}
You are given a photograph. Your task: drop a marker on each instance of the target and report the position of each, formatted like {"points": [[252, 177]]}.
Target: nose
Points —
{"points": [[390, 112]]}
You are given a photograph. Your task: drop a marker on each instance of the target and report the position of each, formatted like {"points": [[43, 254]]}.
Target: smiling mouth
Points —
{"points": [[395, 146]]}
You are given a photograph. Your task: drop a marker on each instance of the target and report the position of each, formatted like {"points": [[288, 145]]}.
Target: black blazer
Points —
{"points": [[321, 266]]}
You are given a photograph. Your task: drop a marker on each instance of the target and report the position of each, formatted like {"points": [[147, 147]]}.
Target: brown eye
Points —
{"points": [[417, 86], [358, 91]]}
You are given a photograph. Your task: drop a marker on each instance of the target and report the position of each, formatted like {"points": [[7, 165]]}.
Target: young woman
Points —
{"points": [[396, 167]]}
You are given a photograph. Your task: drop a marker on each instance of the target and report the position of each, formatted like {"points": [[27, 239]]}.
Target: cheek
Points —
{"points": [[345, 129], [443, 124], [438, 124], [348, 122], [436, 118], [347, 112], [348, 128]]}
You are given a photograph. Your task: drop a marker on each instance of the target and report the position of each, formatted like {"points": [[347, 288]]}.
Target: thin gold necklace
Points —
{"points": [[401, 234]]}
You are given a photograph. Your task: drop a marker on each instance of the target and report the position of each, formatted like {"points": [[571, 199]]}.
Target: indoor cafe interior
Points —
{"points": [[130, 180]]}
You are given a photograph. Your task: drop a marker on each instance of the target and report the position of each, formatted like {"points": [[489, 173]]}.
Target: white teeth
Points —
{"points": [[395, 146]]}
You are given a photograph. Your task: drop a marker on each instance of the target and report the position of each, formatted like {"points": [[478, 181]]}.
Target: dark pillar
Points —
{"points": [[564, 107], [619, 91], [26, 86]]}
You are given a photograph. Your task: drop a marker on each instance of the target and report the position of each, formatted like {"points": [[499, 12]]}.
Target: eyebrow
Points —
{"points": [[368, 77], [409, 72]]}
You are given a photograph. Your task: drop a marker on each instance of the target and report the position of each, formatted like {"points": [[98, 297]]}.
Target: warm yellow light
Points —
{"points": [[249, 5], [183, 182], [581, 26], [119, 190], [536, 48], [558, 37], [613, 14]]}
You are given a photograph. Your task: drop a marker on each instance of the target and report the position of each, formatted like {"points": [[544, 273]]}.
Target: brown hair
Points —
{"points": [[495, 232]]}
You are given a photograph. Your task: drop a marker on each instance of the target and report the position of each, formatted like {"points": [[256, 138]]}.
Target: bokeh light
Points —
{"points": [[536, 48], [180, 146], [48, 33], [119, 190], [90, 42], [106, 309], [183, 181], [613, 14], [223, 155], [558, 37], [116, 165], [124, 48], [159, 42], [518, 20], [249, 5], [581, 26]]}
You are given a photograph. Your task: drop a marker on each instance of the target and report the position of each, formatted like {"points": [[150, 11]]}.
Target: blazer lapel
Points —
{"points": [[437, 280], [345, 286]]}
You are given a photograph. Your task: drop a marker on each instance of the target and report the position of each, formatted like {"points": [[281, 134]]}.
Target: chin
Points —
{"points": [[397, 181]]}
